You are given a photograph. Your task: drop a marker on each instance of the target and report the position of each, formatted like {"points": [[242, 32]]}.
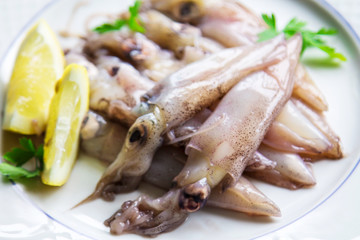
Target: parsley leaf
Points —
{"points": [[133, 22], [107, 27], [20, 156], [271, 32], [310, 38], [267, 35], [14, 172], [270, 20]]}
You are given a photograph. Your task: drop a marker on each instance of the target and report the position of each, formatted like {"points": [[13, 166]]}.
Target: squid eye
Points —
{"points": [[188, 11], [135, 136], [185, 9], [139, 135]]}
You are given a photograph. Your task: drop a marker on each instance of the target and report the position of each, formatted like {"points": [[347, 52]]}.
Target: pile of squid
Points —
{"points": [[197, 106]]}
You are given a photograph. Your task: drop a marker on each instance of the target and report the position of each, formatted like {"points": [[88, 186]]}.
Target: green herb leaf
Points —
{"points": [[27, 144], [39, 155], [270, 20], [133, 22], [14, 173], [107, 27], [134, 25], [267, 35], [310, 38], [134, 10], [19, 156], [271, 32], [327, 31]]}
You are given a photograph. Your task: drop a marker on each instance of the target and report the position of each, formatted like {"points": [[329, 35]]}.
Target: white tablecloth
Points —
{"points": [[15, 13]]}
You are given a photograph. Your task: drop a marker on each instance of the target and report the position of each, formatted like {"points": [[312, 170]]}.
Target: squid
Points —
{"points": [[97, 134], [181, 134], [227, 149], [289, 171], [232, 24], [228, 22], [115, 86], [144, 54], [180, 10], [259, 162], [178, 98], [306, 90], [176, 36], [242, 197], [220, 155], [299, 129], [165, 214]]}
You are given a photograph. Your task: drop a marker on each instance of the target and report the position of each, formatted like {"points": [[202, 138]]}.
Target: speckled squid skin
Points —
{"points": [[246, 112], [198, 85], [178, 98], [174, 35]]}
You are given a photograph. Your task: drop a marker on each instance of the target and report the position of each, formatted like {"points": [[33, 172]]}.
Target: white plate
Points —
{"points": [[39, 212]]}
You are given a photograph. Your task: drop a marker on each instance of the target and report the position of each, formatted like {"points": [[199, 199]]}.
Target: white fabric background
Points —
{"points": [[329, 221]]}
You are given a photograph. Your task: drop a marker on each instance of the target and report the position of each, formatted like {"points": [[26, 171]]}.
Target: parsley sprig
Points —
{"points": [[310, 38], [17, 157], [133, 22]]}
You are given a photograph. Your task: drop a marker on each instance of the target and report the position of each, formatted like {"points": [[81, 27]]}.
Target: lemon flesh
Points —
{"points": [[67, 110], [39, 64]]}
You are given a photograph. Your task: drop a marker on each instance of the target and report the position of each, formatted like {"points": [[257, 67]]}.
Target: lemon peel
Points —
{"points": [[67, 110], [39, 64]]}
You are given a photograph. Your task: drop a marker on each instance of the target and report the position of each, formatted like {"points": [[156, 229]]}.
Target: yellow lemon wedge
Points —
{"points": [[67, 110], [39, 64]]}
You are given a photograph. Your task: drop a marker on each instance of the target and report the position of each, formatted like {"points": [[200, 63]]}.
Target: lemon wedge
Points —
{"points": [[67, 110], [39, 64]]}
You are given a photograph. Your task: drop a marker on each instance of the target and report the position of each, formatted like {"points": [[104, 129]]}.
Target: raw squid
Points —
{"points": [[146, 55], [228, 22], [228, 148], [181, 134], [306, 90], [115, 86], [290, 170], [231, 23], [219, 151], [260, 162], [244, 197], [98, 136], [234, 14], [176, 36], [165, 213], [180, 10], [179, 97], [246, 129], [301, 130]]}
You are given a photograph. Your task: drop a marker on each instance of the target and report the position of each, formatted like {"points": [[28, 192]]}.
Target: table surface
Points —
{"points": [[11, 23]]}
